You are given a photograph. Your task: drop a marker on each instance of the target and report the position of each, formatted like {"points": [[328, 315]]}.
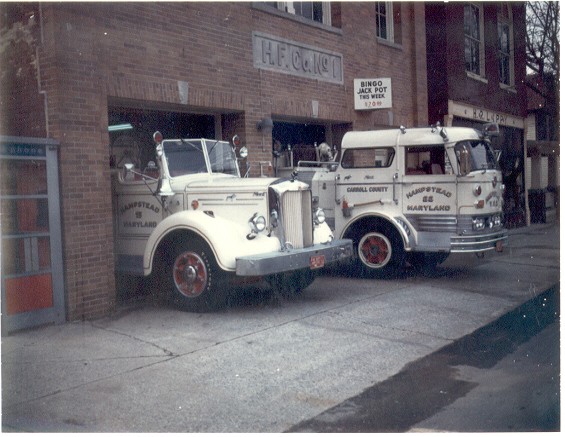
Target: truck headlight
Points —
{"points": [[478, 224], [319, 216], [257, 223]]}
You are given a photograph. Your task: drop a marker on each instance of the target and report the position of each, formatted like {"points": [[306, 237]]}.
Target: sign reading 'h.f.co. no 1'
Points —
{"points": [[284, 56]]}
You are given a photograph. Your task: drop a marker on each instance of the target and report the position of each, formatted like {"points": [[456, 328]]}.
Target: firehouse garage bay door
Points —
{"points": [[30, 225]]}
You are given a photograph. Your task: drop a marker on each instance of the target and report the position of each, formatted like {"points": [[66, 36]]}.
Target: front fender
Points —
{"points": [[406, 239], [226, 239]]}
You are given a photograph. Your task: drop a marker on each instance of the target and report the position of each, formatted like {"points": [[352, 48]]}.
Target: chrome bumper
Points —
{"points": [[294, 259], [479, 243]]}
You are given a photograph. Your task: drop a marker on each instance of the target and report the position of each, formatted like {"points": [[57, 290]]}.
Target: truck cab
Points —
{"points": [[190, 218], [412, 195]]}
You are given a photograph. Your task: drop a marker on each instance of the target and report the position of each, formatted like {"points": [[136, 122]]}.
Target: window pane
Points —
{"points": [[309, 10], [23, 177], [381, 17], [306, 11], [381, 8], [368, 158], [25, 255], [382, 26], [24, 215], [318, 13], [426, 160], [472, 60], [504, 67], [503, 38], [471, 21]]}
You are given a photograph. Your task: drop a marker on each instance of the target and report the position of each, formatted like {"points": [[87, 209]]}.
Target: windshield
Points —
{"points": [[187, 157], [473, 156], [222, 157]]}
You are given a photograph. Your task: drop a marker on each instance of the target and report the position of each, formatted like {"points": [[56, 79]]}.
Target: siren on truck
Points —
{"points": [[491, 130]]}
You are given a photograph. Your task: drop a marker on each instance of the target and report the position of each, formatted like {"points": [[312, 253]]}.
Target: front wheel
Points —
{"points": [[291, 283], [195, 280], [380, 252]]}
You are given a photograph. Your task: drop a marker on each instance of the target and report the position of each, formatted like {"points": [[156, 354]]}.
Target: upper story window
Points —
{"points": [[474, 39], [388, 19], [315, 11], [505, 45]]}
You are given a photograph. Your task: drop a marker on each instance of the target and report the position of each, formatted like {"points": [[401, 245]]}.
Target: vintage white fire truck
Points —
{"points": [[193, 219], [413, 195]]}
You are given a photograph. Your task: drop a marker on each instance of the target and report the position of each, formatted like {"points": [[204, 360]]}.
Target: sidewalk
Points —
{"points": [[153, 368]]}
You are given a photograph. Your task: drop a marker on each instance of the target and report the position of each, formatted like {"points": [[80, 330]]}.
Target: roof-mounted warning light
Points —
{"points": [[491, 130], [158, 137]]}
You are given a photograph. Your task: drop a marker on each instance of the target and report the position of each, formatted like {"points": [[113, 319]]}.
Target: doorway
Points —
{"points": [[32, 265]]}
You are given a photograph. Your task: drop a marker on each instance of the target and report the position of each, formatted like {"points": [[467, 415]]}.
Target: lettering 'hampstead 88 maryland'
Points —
{"points": [[193, 221], [412, 195]]}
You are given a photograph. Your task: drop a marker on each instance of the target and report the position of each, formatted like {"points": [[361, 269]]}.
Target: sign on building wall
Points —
{"points": [[484, 115], [372, 93], [290, 57]]}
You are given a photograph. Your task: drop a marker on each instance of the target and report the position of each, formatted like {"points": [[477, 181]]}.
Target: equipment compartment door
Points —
{"points": [[32, 273]]}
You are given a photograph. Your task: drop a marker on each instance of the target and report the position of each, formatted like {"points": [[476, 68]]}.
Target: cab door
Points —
{"points": [[429, 195], [366, 180]]}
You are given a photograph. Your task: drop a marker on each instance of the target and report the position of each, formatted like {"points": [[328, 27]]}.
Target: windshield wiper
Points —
{"points": [[190, 144], [212, 148]]}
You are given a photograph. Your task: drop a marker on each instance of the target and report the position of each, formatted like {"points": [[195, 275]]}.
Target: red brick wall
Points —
{"points": [[446, 63], [127, 53]]}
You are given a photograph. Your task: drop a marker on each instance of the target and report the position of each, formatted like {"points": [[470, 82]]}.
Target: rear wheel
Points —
{"points": [[195, 280], [379, 251]]}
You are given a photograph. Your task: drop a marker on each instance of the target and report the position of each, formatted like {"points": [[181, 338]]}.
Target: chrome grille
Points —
{"points": [[296, 212], [429, 223]]}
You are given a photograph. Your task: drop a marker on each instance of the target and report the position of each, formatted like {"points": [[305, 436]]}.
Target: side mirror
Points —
{"points": [[126, 171]]}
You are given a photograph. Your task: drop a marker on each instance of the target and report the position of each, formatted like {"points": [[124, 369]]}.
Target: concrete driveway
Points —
{"points": [[263, 364]]}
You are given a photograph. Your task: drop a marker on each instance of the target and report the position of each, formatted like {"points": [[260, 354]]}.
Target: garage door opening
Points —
{"points": [[131, 142], [295, 142], [131, 132]]}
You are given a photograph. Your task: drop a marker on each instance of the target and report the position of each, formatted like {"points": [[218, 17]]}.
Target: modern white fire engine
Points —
{"points": [[412, 195], [193, 219]]}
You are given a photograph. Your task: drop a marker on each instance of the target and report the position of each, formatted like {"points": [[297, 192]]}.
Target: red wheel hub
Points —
{"points": [[190, 274], [375, 249]]}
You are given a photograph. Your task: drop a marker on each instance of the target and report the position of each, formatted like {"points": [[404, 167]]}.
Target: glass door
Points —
{"points": [[31, 254]]}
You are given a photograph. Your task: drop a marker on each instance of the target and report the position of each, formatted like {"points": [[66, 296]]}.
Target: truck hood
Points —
{"points": [[219, 182]]}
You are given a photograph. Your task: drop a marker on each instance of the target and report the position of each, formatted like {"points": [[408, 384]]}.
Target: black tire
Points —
{"points": [[379, 251], [194, 279], [291, 283], [427, 261]]}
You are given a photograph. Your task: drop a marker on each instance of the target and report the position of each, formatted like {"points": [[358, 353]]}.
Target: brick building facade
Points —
{"points": [[476, 66], [195, 69]]}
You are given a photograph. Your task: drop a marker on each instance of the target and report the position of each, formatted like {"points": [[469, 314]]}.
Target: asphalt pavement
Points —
{"points": [[265, 365]]}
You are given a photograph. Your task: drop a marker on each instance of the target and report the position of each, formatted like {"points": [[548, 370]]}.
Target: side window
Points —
{"points": [[378, 157], [505, 45], [388, 20], [315, 11], [426, 160], [474, 40]]}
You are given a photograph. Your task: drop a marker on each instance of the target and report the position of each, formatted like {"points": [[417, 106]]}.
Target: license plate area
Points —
{"points": [[317, 261]]}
